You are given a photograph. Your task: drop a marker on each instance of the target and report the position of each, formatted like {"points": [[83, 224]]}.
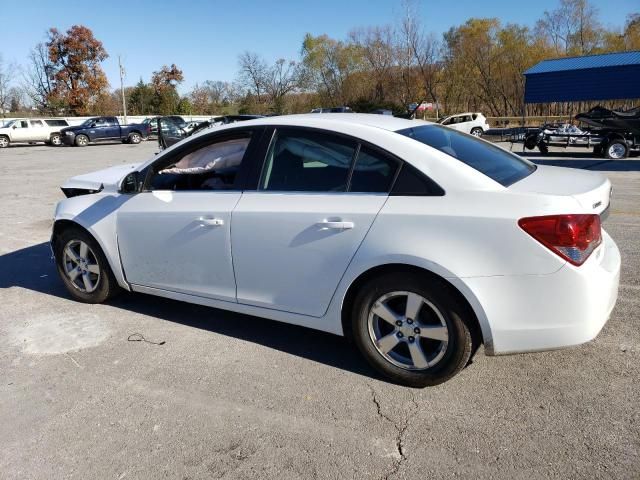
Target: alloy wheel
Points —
{"points": [[81, 266], [4, 143], [55, 140], [408, 330], [617, 150]]}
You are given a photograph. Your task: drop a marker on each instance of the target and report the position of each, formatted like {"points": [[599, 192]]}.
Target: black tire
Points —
{"points": [[462, 338], [4, 141], [106, 286], [55, 140], [477, 132], [543, 148], [616, 150], [531, 141], [134, 138], [81, 140]]}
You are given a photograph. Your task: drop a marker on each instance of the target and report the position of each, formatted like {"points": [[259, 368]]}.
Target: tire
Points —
{"points": [[134, 138], [94, 281], [477, 132], [439, 312], [530, 141], [543, 147], [616, 150], [55, 140], [4, 141], [82, 140]]}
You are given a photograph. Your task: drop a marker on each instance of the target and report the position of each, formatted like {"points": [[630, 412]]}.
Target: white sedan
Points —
{"points": [[419, 242]]}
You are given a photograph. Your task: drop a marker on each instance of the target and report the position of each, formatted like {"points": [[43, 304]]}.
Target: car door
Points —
{"points": [[176, 234], [112, 129], [295, 234], [38, 131], [21, 132]]}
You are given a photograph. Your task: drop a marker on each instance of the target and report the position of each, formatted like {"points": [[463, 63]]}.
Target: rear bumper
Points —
{"points": [[543, 312]]}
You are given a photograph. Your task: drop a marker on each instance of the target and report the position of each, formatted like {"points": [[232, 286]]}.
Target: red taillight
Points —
{"points": [[573, 236]]}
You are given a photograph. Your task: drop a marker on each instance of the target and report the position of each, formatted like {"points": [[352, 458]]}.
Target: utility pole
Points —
{"points": [[124, 103]]}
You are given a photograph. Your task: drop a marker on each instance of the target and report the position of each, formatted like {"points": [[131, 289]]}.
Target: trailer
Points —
{"points": [[609, 143]]}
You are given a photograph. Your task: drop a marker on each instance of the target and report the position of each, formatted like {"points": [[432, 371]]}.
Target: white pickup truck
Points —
{"points": [[31, 130]]}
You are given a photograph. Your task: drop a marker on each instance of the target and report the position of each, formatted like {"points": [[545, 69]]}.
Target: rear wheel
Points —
{"points": [[82, 140], [616, 150], [4, 141], [412, 329], [476, 132], [55, 140], [543, 147], [134, 138], [83, 267]]}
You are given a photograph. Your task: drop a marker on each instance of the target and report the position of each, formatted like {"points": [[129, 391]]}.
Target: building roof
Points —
{"points": [[615, 59]]}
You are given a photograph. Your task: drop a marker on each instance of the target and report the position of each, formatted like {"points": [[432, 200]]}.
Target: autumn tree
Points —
{"points": [[164, 83], [74, 70]]}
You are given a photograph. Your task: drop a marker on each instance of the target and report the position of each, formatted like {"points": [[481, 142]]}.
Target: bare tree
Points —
{"points": [[6, 79], [37, 81], [573, 27], [377, 50], [280, 79], [252, 74]]}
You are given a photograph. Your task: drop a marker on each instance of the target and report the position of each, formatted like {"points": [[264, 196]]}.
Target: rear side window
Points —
{"points": [[300, 161], [497, 164], [373, 172], [56, 123]]}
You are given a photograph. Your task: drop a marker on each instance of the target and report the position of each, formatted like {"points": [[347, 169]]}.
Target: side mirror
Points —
{"points": [[14, 127], [130, 183]]}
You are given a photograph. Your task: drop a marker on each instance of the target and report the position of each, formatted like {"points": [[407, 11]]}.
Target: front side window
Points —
{"points": [[302, 161], [21, 124], [504, 167], [211, 167]]}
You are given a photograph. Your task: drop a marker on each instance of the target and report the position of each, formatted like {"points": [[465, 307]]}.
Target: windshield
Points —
{"points": [[7, 124], [504, 167], [88, 122]]}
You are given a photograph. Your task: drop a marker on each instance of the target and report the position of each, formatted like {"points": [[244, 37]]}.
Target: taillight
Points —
{"points": [[573, 236]]}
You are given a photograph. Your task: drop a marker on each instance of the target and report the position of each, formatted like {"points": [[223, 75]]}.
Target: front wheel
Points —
{"points": [[83, 267], [4, 141], [412, 329], [134, 138], [82, 140]]}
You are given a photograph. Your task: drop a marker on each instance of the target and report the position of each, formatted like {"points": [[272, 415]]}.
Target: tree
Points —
{"points": [[6, 78], [140, 99], [252, 74], [573, 28], [74, 58], [164, 83], [37, 81]]}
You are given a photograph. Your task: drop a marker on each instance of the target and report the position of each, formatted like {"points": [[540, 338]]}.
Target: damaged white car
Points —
{"points": [[419, 242]]}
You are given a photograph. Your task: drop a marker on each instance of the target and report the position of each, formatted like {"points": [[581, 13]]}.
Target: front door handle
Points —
{"points": [[210, 222], [336, 225]]}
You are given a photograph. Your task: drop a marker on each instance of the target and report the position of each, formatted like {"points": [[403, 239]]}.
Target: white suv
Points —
{"points": [[473, 123], [29, 130]]}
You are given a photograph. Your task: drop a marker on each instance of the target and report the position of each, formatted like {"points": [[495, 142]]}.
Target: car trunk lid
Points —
{"points": [[592, 190]]}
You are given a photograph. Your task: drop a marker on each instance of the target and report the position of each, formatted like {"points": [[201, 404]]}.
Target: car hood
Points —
{"points": [[108, 178]]}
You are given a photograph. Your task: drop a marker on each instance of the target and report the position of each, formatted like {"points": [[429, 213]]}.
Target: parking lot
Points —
{"points": [[234, 396]]}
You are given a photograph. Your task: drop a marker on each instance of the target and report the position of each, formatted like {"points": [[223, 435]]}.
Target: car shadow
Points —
{"points": [[32, 268]]}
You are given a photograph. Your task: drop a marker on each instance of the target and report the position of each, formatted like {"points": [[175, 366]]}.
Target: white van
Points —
{"points": [[30, 130]]}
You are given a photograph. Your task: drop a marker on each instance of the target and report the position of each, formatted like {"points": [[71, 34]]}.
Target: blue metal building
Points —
{"points": [[611, 76]]}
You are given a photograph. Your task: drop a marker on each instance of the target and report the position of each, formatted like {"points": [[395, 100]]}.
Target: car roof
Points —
{"points": [[333, 120]]}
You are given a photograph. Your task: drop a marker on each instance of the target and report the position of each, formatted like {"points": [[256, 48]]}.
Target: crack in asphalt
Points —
{"points": [[400, 429]]}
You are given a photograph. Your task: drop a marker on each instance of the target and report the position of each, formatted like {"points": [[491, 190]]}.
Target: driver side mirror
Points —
{"points": [[130, 183], [14, 127]]}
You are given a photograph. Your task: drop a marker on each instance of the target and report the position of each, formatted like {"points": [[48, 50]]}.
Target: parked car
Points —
{"points": [[332, 110], [172, 133], [417, 241], [31, 130], [104, 129], [473, 123]]}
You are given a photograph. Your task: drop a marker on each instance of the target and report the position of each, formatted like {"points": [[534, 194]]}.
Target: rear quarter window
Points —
{"points": [[503, 167]]}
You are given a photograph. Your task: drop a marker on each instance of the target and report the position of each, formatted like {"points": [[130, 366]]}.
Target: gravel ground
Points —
{"points": [[234, 396]]}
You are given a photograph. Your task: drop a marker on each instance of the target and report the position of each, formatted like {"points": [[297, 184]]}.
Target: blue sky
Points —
{"points": [[204, 38]]}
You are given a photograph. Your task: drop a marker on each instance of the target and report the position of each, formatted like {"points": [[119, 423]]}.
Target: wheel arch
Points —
{"points": [[456, 287], [63, 223]]}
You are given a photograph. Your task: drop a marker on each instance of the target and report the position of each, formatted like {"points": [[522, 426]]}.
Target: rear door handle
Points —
{"points": [[336, 225], [210, 222]]}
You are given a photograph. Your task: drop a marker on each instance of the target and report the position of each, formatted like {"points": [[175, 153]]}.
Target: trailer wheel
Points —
{"points": [[617, 150], [530, 141], [543, 147]]}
